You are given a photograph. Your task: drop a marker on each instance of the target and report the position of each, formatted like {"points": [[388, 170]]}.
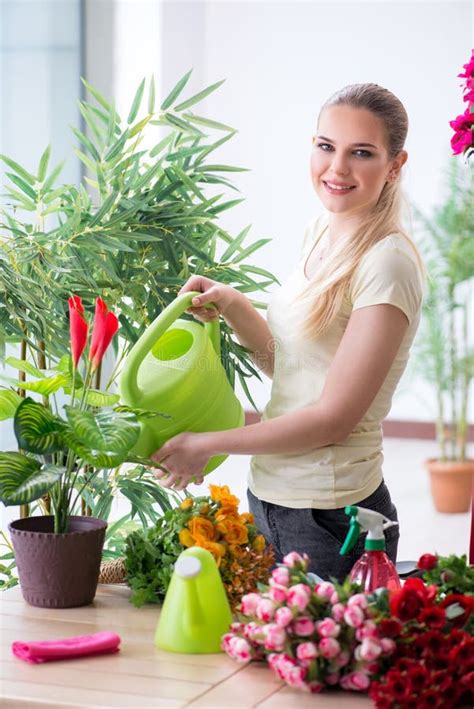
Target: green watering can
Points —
{"points": [[175, 368], [195, 613]]}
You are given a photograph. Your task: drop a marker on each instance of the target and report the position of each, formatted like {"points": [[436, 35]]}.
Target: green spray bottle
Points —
{"points": [[374, 569], [195, 613]]}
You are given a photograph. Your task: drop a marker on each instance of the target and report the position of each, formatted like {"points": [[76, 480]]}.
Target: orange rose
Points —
{"points": [[259, 543], [187, 503], [247, 518], [223, 495], [202, 527], [235, 532], [186, 538], [217, 550]]}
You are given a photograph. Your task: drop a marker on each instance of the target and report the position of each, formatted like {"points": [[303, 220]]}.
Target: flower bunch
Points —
{"points": [[463, 125], [211, 522], [312, 635], [450, 574], [433, 661]]}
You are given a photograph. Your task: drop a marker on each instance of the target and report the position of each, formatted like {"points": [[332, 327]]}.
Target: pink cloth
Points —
{"points": [[64, 648]]}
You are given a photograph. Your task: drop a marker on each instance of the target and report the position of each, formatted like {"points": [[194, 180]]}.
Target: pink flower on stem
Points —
{"points": [[294, 559], [277, 593], [306, 651], [370, 649], [253, 632], [240, 649], [327, 628], [468, 68], [294, 676], [354, 616], [275, 636], [337, 612], [265, 609], [358, 681], [388, 646], [303, 626], [343, 658], [334, 598], [299, 596], [332, 678], [359, 599], [105, 327], [249, 603], [329, 647], [325, 590], [367, 630], [283, 616], [280, 576], [463, 135]]}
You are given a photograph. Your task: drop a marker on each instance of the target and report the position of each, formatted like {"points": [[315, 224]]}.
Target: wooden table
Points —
{"points": [[139, 675]]}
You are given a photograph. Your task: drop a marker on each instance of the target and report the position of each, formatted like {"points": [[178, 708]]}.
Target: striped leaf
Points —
{"points": [[9, 402], [37, 430], [102, 439], [46, 386], [24, 479]]}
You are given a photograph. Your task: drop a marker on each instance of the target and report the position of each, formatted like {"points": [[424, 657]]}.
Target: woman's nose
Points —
{"points": [[339, 164]]}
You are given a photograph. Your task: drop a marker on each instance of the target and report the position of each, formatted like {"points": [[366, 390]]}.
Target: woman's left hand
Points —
{"points": [[185, 456]]}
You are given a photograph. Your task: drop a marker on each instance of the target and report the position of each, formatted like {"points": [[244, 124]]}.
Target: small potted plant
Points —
{"points": [[58, 555], [445, 347]]}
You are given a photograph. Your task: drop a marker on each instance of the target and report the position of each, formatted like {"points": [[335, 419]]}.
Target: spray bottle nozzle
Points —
{"points": [[373, 522]]}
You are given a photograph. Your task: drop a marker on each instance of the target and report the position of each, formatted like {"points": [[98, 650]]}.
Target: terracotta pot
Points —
{"points": [[58, 570], [451, 484]]}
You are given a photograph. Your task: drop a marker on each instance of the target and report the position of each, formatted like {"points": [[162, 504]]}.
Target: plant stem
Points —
{"points": [[24, 509], [452, 371]]}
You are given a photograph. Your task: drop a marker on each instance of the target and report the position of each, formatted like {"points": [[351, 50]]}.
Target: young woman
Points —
{"points": [[336, 342]]}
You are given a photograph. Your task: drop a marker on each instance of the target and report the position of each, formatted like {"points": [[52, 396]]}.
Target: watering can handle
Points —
{"points": [[144, 344]]}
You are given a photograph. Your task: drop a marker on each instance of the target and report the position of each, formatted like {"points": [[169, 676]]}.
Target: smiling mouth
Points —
{"points": [[334, 189]]}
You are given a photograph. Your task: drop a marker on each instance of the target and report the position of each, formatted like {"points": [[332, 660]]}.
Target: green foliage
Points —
{"points": [[452, 574], [444, 352]]}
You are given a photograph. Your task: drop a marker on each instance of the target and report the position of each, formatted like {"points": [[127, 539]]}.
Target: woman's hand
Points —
{"points": [[221, 295], [184, 456]]}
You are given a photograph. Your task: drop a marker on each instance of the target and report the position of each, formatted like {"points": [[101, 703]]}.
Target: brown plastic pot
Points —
{"points": [[451, 484], [58, 570]]}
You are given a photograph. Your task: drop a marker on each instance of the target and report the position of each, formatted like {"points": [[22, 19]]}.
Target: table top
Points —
{"points": [[139, 675]]}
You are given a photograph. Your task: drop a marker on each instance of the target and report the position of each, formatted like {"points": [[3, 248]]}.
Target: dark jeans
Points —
{"points": [[321, 533]]}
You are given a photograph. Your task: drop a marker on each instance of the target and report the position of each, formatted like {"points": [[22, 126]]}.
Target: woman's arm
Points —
{"points": [[362, 361]]}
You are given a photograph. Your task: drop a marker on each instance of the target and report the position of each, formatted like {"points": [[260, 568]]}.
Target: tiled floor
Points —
{"points": [[422, 528]]}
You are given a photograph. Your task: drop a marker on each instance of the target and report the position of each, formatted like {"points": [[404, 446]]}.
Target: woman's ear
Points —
{"points": [[397, 165]]}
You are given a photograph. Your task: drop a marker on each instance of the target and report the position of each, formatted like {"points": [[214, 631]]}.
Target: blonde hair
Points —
{"points": [[326, 290]]}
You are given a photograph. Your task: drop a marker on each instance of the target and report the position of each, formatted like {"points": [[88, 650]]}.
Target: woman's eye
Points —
{"points": [[365, 153]]}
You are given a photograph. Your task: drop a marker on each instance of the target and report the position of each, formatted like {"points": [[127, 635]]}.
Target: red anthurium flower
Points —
{"points": [[78, 328], [105, 327]]}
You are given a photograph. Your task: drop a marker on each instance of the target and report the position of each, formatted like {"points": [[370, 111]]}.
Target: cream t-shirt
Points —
{"points": [[346, 472]]}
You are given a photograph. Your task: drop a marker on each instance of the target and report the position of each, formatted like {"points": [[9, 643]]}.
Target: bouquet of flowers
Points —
{"points": [[463, 125], [312, 635], [213, 523]]}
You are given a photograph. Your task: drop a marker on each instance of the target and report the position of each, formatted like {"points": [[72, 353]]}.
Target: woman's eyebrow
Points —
{"points": [[321, 137]]}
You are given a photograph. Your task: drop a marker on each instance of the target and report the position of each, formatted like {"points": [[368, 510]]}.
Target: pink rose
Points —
{"points": [[249, 603], [337, 612], [240, 650], [354, 616], [343, 658], [327, 628], [283, 616], [332, 678], [299, 596], [275, 636], [370, 649], [306, 651], [359, 599], [225, 641], [367, 630], [357, 680], [314, 686], [277, 593], [280, 663], [388, 646], [294, 676], [237, 627], [325, 590], [253, 632], [280, 576], [303, 626], [329, 647], [334, 598], [265, 609]]}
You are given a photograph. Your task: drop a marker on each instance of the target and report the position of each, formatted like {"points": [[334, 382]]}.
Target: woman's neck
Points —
{"points": [[340, 225]]}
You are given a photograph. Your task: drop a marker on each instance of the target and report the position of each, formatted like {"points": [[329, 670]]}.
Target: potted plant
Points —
{"points": [[444, 345], [58, 555]]}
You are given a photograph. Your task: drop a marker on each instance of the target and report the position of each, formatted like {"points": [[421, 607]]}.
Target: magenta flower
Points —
{"points": [[462, 126], [468, 68]]}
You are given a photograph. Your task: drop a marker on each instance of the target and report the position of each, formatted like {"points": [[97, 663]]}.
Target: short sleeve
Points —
{"points": [[387, 274]]}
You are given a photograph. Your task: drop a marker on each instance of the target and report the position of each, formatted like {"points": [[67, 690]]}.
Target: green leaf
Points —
{"points": [[208, 122], [18, 169], [104, 438], [235, 245], [138, 126], [199, 97], [250, 249], [98, 96], [24, 201], [94, 397], [51, 179], [9, 402], [173, 95], [23, 366], [24, 186], [86, 143], [136, 102], [162, 144], [46, 386], [37, 430], [43, 164], [151, 95], [24, 479]]}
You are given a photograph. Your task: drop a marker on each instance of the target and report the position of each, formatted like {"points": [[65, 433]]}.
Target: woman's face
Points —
{"points": [[349, 151]]}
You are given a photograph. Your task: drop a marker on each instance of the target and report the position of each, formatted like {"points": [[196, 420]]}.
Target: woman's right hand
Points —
{"points": [[222, 296]]}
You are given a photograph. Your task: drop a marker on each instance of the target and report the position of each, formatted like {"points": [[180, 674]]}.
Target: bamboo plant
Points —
{"points": [[445, 352]]}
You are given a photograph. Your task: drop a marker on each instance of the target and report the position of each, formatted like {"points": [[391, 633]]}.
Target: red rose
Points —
{"points": [[407, 602], [433, 616], [390, 628], [427, 562], [465, 602], [418, 677], [433, 642], [463, 655], [398, 685]]}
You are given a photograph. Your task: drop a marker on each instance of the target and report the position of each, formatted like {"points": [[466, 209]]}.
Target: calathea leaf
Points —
{"points": [[24, 479], [37, 430]]}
